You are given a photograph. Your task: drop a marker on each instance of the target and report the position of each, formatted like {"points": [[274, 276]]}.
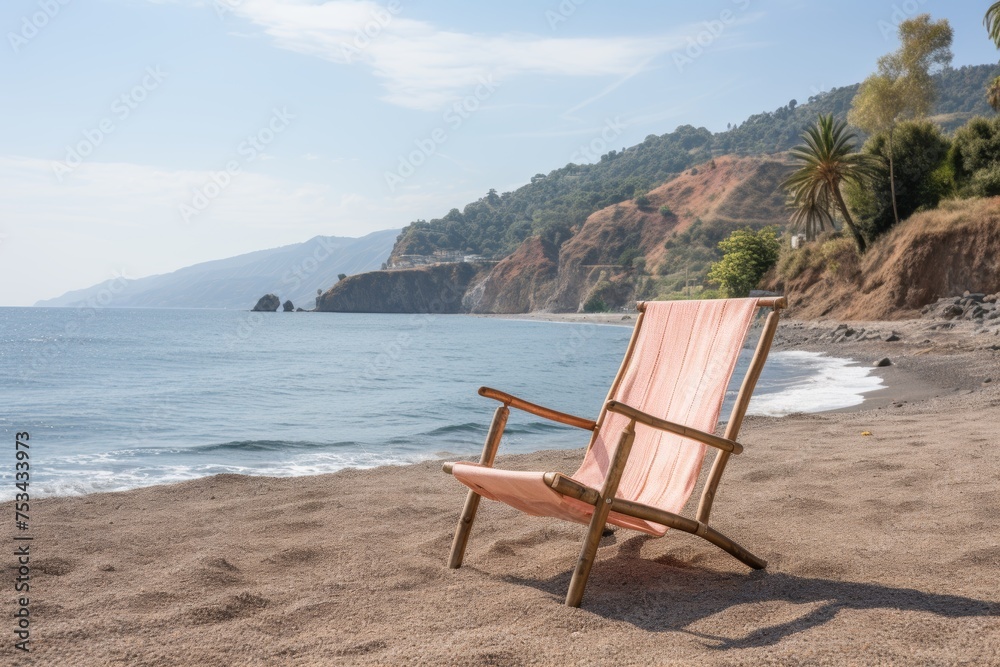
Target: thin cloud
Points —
{"points": [[425, 67]]}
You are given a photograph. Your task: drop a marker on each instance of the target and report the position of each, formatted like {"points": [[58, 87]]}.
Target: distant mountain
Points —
{"points": [[292, 272]]}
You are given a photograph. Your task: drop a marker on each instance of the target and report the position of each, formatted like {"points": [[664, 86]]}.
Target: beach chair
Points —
{"points": [[649, 440]]}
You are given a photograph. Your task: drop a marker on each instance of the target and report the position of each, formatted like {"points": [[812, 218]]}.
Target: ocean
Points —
{"points": [[115, 399]]}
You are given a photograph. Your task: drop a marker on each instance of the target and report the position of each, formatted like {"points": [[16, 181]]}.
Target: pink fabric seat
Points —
{"points": [[682, 362]]}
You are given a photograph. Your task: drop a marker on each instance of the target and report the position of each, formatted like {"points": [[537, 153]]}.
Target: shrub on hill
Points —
{"points": [[746, 256], [975, 158]]}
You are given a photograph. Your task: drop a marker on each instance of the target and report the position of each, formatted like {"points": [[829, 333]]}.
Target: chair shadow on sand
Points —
{"points": [[656, 598]]}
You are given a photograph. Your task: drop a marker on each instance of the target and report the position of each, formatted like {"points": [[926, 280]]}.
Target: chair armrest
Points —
{"points": [[724, 444], [538, 410]]}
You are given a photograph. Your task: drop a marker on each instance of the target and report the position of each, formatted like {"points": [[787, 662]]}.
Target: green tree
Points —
{"points": [[341, 276], [920, 151], [828, 161], [902, 87], [975, 158], [746, 257], [628, 256]]}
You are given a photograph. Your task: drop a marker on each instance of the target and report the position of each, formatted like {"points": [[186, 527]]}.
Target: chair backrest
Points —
{"points": [[678, 366]]}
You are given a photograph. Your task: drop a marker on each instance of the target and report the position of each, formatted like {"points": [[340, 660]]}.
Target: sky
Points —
{"points": [[142, 136]]}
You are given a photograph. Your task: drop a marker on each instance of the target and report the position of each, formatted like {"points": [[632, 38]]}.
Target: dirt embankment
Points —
{"points": [[944, 252]]}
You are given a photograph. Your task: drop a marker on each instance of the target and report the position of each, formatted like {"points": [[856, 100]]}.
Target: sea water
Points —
{"points": [[119, 398]]}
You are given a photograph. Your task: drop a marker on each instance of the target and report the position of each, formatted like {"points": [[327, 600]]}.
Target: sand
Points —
{"points": [[883, 549]]}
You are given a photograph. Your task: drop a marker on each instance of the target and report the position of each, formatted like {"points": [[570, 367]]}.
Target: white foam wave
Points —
{"points": [[75, 481], [818, 383]]}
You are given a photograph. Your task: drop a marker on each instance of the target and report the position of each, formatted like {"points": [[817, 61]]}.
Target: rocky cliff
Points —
{"points": [[427, 289]]}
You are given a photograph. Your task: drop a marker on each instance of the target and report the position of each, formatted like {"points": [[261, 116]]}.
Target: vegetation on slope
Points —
{"points": [[608, 233], [555, 205]]}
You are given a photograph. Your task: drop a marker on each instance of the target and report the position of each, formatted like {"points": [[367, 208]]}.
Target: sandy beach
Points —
{"points": [[882, 549]]}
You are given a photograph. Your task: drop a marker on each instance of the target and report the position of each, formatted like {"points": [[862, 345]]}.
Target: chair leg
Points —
{"points": [[731, 547], [587, 554], [463, 529], [472, 498], [600, 517]]}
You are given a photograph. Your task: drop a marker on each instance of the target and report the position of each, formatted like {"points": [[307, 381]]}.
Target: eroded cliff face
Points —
{"points": [[521, 283], [427, 289]]}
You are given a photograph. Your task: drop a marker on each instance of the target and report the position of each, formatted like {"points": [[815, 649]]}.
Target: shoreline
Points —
{"points": [[901, 383], [881, 545]]}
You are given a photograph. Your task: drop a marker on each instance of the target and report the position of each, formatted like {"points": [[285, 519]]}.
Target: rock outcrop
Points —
{"points": [[288, 306], [973, 306], [267, 304], [427, 289]]}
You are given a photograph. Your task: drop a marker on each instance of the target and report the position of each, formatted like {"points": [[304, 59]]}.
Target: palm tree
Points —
{"points": [[811, 214], [993, 94], [992, 22], [828, 160]]}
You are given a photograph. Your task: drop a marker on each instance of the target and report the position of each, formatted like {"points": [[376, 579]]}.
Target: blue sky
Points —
{"points": [[141, 136]]}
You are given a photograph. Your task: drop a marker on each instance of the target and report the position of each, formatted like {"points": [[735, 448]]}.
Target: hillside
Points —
{"points": [[621, 252], [556, 204], [932, 254], [642, 222], [292, 272], [703, 206]]}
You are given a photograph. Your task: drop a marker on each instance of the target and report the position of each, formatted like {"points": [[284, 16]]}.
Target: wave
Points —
{"points": [[266, 446], [813, 382]]}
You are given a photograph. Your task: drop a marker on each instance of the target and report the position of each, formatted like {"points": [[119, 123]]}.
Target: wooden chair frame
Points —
{"points": [[603, 499]]}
